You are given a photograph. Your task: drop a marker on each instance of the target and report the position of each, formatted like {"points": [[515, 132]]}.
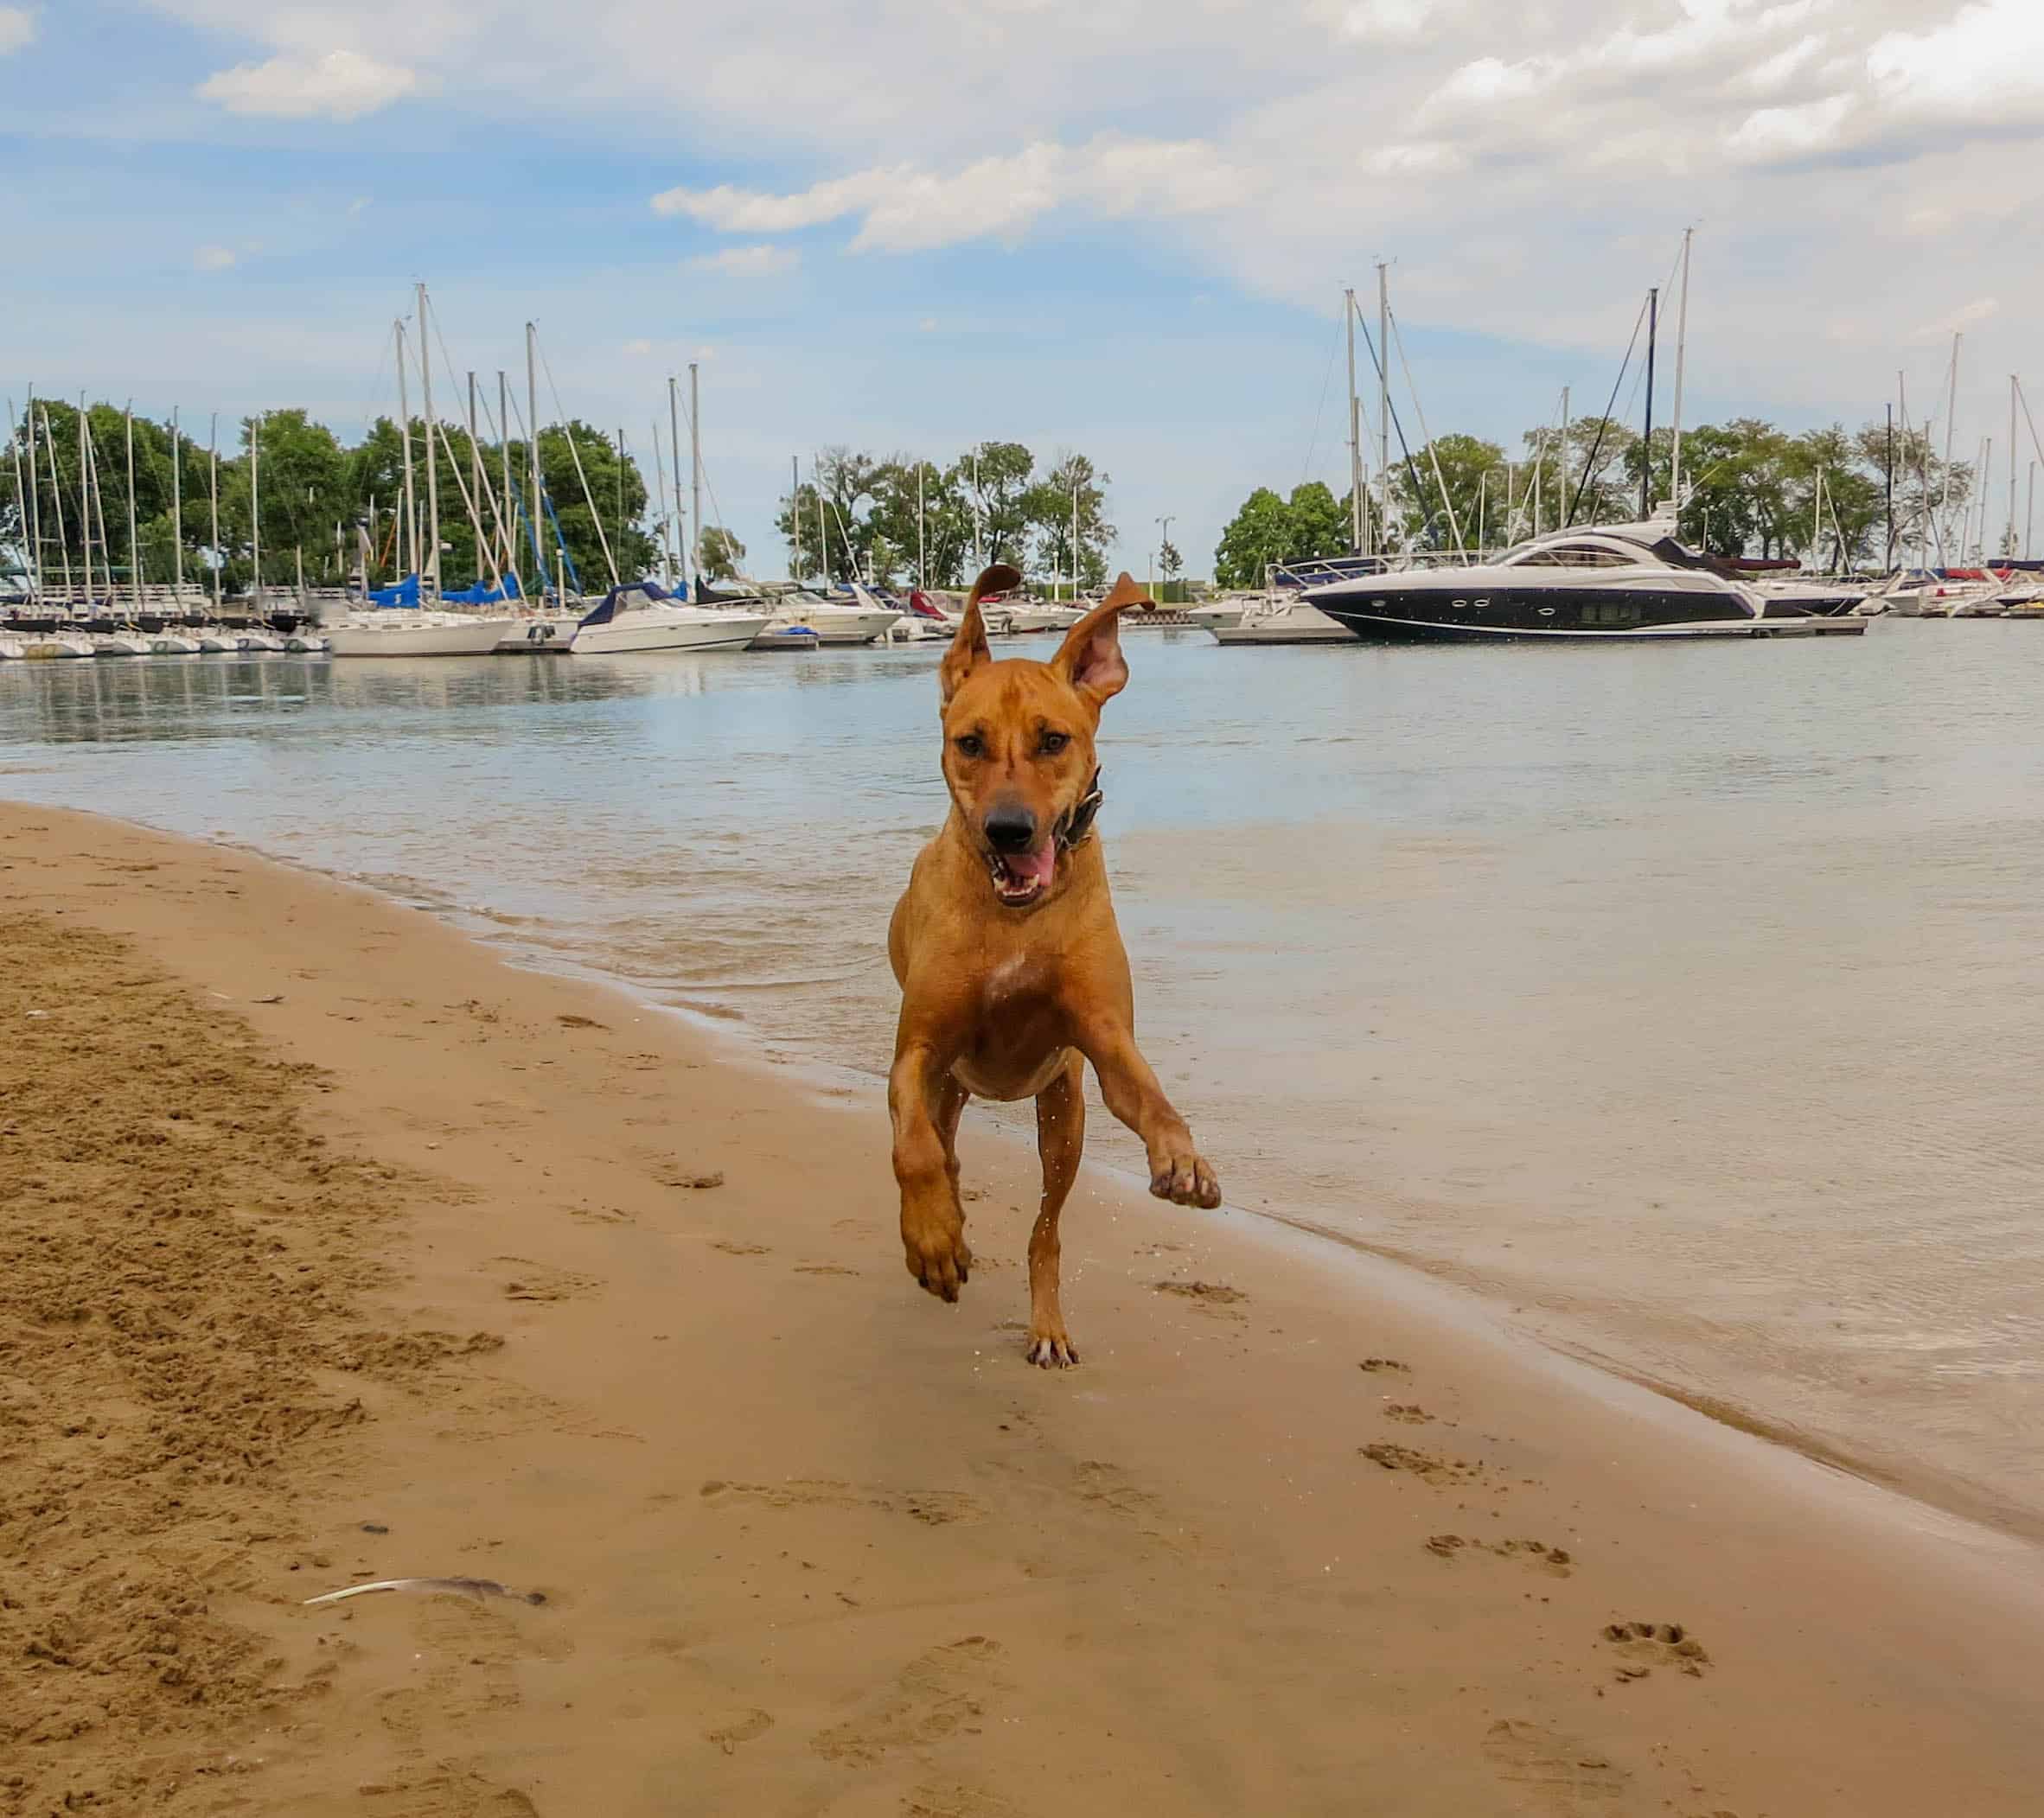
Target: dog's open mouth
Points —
{"points": [[1021, 877]]}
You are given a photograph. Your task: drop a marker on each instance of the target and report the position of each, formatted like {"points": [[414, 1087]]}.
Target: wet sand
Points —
{"points": [[336, 1250]]}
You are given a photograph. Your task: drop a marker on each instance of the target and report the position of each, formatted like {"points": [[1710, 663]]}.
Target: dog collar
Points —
{"points": [[1078, 829]]}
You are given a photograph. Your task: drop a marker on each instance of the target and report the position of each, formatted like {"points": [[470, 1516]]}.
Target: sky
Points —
{"points": [[1119, 227]]}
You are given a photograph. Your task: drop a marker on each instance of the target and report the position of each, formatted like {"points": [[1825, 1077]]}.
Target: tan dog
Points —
{"points": [[1011, 969]]}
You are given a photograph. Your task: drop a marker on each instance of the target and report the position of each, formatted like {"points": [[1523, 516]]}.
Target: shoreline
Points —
{"points": [[741, 1044], [813, 1542]]}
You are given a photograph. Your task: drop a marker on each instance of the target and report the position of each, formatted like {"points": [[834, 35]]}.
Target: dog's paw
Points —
{"points": [[1184, 1177], [1052, 1350], [938, 1257]]}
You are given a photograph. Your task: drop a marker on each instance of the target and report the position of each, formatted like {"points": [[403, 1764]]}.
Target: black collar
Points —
{"points": [[1078, 827]]}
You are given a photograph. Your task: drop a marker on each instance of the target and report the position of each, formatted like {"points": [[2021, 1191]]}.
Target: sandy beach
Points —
{"points": [[335, 1250]]}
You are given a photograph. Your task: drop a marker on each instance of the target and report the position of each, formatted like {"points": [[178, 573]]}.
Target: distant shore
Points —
{"points": [[532, 1284]]}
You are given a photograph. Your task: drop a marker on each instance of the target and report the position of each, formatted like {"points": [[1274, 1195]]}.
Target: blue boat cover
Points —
{"points": [[607, 608]]}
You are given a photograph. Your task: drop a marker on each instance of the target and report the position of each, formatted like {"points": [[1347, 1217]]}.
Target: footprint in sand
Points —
{"points": [[1376, 1366], [1408, 1411], [933, 1508], [938, 1693], [1555, 1562], [538, 1281], [1561, 1777], [728, 1736], [1644, 1646], [732, 1247], [952, 1800], [1423, 1465]]}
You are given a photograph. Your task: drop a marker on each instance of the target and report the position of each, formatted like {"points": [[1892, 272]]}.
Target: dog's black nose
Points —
{"points": [[1011, 830]]}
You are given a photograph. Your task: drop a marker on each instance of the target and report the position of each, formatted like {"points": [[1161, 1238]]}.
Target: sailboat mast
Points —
{"points": [[176, 513], [1561, 508], [404, 420], [1951, 410], [1348, 320], [921, 574], [2009, 540], [681, 522], [822, 529], [84, 496], [1888, 477], [56, 501], [213, 492], [506, 524], [255, 514], [134, 543], [1075, 530], [35, 501], [476, 475], [425, 404], [1646, 446], [21, 497], [621, 488], [794, 512], [532, 429], [1384, 407], [667, 518], [695, 477], [1681, 350]]}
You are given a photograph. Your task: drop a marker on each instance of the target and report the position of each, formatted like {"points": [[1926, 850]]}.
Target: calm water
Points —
{"points": [[1689, 1000]]}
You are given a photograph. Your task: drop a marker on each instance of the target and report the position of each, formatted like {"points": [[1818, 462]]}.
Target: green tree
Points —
{"points": [[722, 554], [1257, 537], [1049, 506], [994, 479], [1320, 523], [1170, 563]]}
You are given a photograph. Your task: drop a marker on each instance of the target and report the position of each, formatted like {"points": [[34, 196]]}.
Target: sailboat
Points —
{"points": [[415, 629]]}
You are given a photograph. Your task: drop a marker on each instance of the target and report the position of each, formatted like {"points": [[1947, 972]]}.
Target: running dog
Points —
{"points": [[1011, 969]]}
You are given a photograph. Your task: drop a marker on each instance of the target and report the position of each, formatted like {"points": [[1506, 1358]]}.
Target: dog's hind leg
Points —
{"points": [[1060, 1141]]}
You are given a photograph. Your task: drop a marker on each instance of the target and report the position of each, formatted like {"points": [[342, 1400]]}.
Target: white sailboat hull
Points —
{"points": [[411, 636]]}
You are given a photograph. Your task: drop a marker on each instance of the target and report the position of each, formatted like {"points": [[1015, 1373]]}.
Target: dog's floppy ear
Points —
{"points": [[968, 649], [1090, 657]]}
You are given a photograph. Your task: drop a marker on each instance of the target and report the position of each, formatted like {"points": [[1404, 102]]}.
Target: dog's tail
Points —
{"points": [[999, 578]]}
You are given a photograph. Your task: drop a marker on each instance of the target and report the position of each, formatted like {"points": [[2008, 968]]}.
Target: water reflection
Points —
{"points": [[1690, 997]]}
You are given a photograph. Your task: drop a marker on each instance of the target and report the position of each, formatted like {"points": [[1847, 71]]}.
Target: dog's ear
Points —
{"points": [[969, 648], [1090, 657]]}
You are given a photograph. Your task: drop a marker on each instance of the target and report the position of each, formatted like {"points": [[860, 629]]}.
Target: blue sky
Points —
{"points": [[1120, 227]]}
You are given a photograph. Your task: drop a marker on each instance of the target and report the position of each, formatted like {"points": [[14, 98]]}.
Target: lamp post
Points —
{"points": [[1163, 543]]}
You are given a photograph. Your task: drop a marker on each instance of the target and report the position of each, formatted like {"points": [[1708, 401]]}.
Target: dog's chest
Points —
{"points": [[1016, 1047]]}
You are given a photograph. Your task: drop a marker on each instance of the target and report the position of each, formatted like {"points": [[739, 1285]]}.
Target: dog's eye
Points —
{"points": [[1053, 742], [970, 744]]}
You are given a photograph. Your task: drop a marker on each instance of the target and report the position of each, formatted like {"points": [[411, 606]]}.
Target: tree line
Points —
{"points": [[314, 492], [889, 519], [1748, 489]]}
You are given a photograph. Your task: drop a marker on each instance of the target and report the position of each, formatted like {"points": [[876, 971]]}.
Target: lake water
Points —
{"points": [[1687, 999]]}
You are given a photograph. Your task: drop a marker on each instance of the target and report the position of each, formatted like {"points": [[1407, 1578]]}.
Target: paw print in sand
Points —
{"points": [[1647, 1645]]}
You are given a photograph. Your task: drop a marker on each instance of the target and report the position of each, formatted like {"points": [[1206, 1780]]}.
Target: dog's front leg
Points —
{"points": [[923, 1101], [1178, 1171]]}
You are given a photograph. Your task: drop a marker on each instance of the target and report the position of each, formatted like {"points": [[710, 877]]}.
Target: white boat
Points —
{"points": [[170, 643], [827, 622], [1278, 617], [43, 644], [305, 643], [926, 611], [539, 633], [641, 615], [410, 631], [784, 634], [12, 649], [119, 643], [216, 640], [260, 643]]}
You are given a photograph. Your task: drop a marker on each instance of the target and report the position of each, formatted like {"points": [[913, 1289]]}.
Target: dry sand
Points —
{"points": [[332, 1249]]}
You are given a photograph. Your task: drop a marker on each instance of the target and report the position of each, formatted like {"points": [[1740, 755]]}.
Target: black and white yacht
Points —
{"points": [[1613, 581]]}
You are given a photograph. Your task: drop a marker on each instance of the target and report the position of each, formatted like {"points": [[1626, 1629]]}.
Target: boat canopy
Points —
{"points": [[477, 594], [400, 593], [621, 599]]}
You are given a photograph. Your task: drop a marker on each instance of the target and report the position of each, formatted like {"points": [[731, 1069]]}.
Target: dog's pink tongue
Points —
{"points": [[1036, 867]]}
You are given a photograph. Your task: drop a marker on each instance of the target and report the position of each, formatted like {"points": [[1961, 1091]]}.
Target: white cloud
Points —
{"points": [[1987, 58], [639, 348], [214, 259], [905, 209], [1971, 316], [18, 28], [760, 261], [1780, 133], [358, 205], [334, 85], [1376, 21]]}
